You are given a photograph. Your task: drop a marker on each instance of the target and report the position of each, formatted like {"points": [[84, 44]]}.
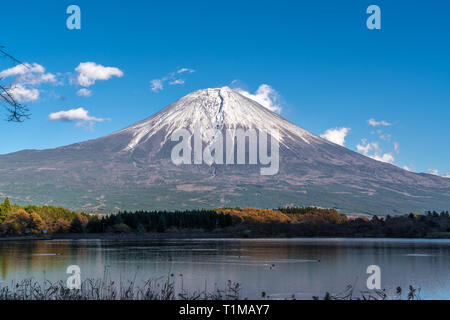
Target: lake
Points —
{"points": [[279, 267]]}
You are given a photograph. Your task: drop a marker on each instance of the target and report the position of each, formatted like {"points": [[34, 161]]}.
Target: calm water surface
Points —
{"points": [[279, 267]]}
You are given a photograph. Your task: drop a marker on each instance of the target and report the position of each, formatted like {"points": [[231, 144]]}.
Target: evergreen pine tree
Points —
{"points": [[6, 205], [76, 226], [162, 224]]}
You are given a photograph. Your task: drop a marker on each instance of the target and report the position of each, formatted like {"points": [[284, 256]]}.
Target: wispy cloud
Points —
{"points": [[373, 150], [433, 171], [336, 135], [385, 137], [178, 81], [375, 123], [436, 173], [265, 96], [397, 147], [157, 85], [83, 92], [90, 72], [183, 70]]}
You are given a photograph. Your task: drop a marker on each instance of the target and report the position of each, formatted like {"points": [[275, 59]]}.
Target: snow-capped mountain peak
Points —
{"points": [[215, 108]]}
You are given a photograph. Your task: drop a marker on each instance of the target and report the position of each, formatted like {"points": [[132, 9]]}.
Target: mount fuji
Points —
{"points": [[131, 169]]}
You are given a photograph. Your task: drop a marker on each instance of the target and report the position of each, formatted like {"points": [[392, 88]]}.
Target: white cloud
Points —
{"points": [[375, 123], [182, 70], [26, 78], [407, 168], [79, 114], [22, 69], [436, 173], [156, 85], [433, 171], [385, 157], [265, 96], [37, 79], [366, 147], [178, 81], [84, 92], [23, 94], [373, 150], [89, 72], [397, 147], [336, 135]]}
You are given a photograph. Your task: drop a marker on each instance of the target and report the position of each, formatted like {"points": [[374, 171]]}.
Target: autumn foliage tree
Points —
{"points": [[21, 222], [59, 226]]}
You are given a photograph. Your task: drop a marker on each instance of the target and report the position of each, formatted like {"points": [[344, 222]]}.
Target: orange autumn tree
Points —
{"points": [[312, 215], [254, 215], [21, 222], [59, 226]]}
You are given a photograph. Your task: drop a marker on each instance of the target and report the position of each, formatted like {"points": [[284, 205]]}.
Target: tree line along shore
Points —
{"points": [[23, 221]]}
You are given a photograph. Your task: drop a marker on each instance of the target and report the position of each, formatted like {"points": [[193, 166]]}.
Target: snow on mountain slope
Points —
{"points": [[218, 108]]}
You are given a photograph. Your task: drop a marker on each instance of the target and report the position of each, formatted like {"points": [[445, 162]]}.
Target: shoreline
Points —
{"points": [[180, 236]]}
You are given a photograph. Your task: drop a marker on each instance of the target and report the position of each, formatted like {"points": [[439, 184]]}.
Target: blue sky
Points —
{"points": [[327, 69]]}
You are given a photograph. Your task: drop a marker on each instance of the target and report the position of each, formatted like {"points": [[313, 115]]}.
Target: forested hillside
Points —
{"points": [[18, 220]]}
